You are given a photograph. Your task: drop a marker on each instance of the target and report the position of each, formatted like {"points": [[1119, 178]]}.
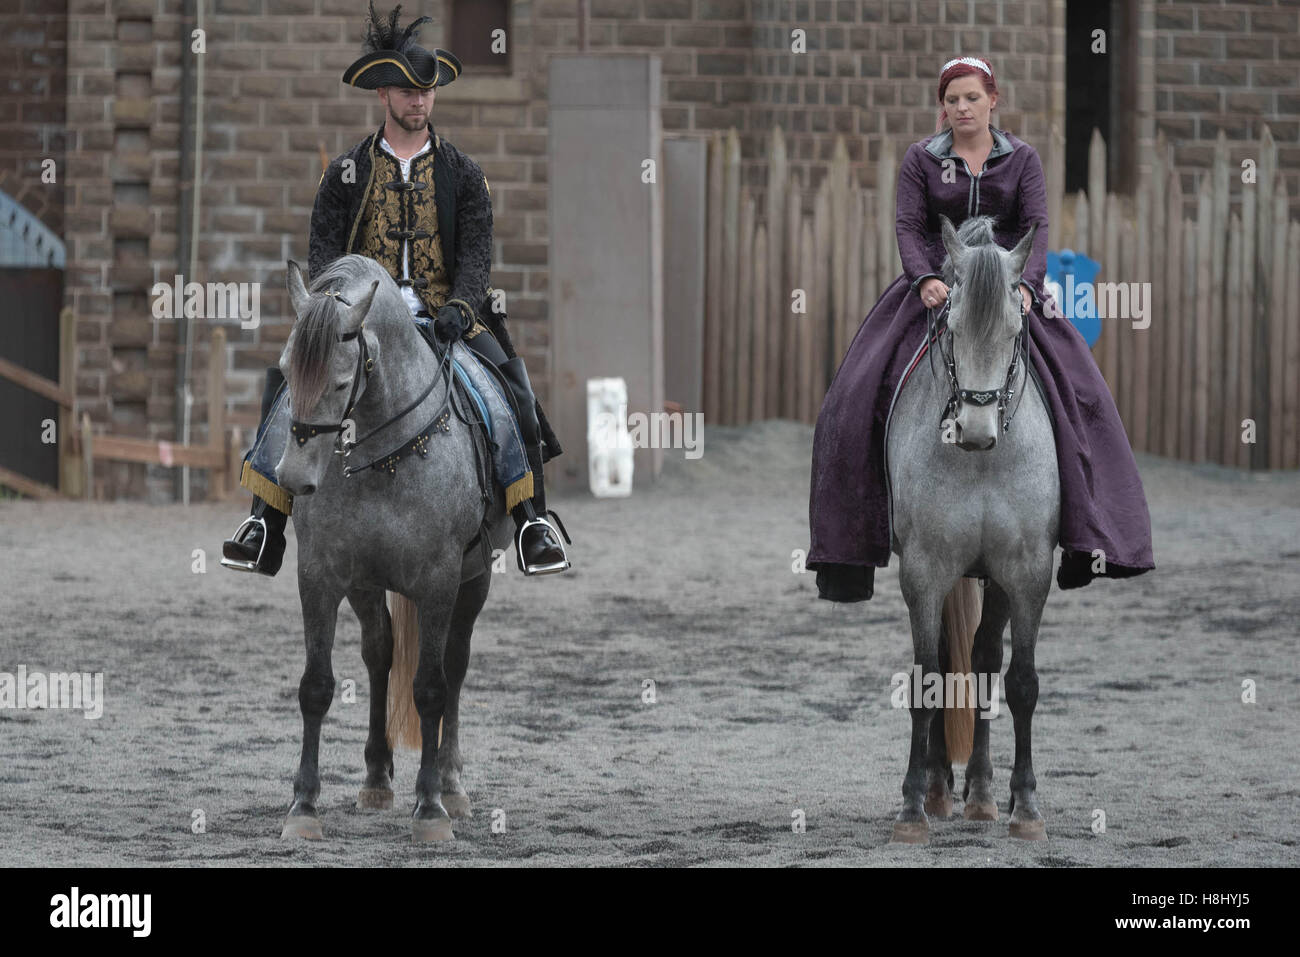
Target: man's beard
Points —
{"points": [[412, 124]]}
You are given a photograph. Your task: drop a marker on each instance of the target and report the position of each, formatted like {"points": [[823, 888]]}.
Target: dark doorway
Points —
{"points": [[1101, 91], [472, 23], [29, 336]]}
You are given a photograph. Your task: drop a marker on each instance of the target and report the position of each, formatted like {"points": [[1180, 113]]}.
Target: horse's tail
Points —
{"points": [[403, 719], [961, 616]]}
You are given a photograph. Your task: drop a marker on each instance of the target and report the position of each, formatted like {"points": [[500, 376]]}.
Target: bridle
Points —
{"points": [[303, 432], [956, 394]]}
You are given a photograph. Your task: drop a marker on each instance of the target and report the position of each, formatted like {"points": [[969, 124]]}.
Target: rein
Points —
{"points": [[956, 394]]}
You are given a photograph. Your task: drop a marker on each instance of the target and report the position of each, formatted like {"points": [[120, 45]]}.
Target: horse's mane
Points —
{"points": [[984, 277], [317, 333]]}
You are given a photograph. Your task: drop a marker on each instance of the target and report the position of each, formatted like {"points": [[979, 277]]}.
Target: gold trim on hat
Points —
{"points": [[400, 65]]}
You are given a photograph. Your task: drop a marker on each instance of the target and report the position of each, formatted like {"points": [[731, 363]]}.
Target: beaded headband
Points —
{"points": [[969, 61]]}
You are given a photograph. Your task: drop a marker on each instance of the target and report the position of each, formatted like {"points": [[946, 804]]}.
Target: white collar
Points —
{"points": [[384, 144]]}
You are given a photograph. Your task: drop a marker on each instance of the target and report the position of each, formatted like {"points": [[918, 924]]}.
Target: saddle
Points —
{"points": [[493, 420], [468, 405]]}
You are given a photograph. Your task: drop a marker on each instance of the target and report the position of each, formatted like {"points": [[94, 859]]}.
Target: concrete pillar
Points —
{"points": [[606, 245]]}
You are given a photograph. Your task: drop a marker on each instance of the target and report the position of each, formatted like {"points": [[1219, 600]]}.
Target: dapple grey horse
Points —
{"points": [[973, 494], [359, 371]]}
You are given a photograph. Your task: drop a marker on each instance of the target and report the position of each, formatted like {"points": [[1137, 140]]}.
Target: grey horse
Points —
{"points": [[359, 371], [974, 495]]}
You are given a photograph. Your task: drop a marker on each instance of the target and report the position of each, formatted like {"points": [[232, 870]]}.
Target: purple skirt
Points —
{"points": [[1103, 505]]}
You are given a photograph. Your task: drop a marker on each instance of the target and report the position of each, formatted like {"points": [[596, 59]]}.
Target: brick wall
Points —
{"points": [[274, 103], [1232, 67], [33, 101], [871, 72], [121, 222]]}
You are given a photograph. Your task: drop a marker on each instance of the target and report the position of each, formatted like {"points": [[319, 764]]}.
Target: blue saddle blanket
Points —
{"points": [[509, 460]]}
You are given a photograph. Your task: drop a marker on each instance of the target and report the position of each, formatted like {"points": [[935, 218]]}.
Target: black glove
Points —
{"points": [[451, 323]]}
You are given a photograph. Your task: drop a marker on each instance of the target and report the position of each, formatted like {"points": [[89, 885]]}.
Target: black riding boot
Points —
{"points": [[258, 543], [537, 546], [848, 583]]}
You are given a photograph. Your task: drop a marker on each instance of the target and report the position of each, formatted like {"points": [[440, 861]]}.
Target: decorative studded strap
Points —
{"points": [[416, 445]]}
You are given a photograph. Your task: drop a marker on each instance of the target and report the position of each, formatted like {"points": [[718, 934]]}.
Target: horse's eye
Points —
{"points": [[341, 388]]}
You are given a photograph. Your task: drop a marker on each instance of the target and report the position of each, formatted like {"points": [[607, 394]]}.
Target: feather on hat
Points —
{"points": [[393, 58]]}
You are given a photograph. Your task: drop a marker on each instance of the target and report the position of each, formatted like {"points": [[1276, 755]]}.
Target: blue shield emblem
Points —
{"points": [[1070, 277]]}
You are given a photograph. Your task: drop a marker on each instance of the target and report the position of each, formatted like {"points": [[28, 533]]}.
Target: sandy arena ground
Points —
{"points": [[768, 700]]}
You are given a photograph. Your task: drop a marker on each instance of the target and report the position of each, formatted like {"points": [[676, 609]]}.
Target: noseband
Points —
{"points": [[956, 394]]}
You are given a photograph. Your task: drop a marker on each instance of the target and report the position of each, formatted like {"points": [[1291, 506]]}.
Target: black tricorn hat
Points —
{"points": [[393, 58]]}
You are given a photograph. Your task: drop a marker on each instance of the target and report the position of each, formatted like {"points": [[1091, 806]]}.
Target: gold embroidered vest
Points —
{"points": [[397, 210]]}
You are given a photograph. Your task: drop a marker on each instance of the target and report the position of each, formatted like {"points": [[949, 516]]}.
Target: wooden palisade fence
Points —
{"points": [[1222, 345]]}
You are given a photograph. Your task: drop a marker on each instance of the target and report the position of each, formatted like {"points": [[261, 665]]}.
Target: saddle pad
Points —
{"points": [[467, 384], [496, 418]]}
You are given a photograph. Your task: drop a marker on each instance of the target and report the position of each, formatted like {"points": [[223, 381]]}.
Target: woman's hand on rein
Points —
{"points": [[934, 293]]}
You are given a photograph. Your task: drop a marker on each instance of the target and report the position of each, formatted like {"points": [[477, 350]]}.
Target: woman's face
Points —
{"points": [[967, 106]]}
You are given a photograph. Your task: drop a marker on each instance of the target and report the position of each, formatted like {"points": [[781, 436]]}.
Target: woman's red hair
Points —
{"points": [[958, 70]]}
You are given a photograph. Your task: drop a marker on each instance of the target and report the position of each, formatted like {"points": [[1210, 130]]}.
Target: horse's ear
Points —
{"points": [[950, 240], [298, 297], [352, 320], [1020, 255]]}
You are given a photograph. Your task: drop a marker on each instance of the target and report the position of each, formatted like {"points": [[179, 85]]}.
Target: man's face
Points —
{"points": [[409, 109]]}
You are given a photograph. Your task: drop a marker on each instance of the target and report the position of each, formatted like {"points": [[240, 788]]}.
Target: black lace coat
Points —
{"points": [[464, 223]]}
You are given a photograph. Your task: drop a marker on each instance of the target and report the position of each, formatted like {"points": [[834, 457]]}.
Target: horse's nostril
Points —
{"points": [[307, 489], [974, 445]]}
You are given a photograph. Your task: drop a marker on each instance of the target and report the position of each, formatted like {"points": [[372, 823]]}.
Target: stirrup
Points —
{"points": [[553, 567], [243, 565]]}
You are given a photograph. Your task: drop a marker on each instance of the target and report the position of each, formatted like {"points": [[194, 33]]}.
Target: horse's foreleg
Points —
{"points": [[315, 693], [1022, 696], [430, 820], [377, 653], [469, 602], [986, 662], [925, 605]]}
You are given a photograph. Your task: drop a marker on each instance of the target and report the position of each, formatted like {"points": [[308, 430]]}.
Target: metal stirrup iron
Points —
{"points": [[553, 566], [245, 565]]}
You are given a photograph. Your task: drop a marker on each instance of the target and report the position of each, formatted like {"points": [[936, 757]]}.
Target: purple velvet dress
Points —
{"points": [[1102, 502]]}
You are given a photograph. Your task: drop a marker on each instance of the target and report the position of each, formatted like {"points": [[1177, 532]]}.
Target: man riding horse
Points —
{"points": [[409, 199]]}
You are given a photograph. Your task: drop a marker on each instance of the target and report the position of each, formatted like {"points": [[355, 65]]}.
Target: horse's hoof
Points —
{"points": [[300, 825], [911, 832], [1029, 830], [375, 799], [939, 806], [427, 832], [980, 811], [457, 805]]}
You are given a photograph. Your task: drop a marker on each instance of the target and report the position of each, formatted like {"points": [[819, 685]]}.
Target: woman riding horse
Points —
{"points": [[967, 169]]}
